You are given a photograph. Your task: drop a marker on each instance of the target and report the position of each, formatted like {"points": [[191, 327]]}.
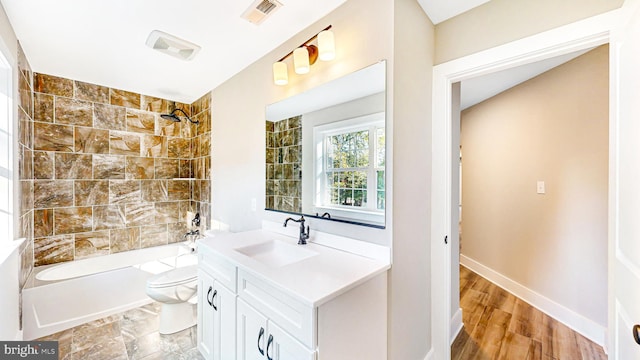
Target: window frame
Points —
{"points": [[8, 128], [371, 123]]}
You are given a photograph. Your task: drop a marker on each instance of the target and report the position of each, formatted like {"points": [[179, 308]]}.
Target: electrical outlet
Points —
{"points": [[540, 187]]}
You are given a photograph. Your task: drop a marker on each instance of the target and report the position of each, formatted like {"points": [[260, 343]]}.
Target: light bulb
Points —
{"points": [[301, 60], [326, 45], [280, 76]]}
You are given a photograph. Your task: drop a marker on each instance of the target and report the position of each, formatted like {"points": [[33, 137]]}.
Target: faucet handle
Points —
{"points": [[196, 220]]}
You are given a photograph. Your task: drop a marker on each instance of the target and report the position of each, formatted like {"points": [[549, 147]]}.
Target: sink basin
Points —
{"points": [[276, 253]]}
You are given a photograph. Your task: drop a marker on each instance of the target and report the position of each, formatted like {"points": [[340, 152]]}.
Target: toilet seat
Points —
{"points": [[174, 277]]}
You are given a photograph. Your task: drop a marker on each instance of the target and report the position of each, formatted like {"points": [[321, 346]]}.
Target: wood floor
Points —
{"points": [[497, 325]]}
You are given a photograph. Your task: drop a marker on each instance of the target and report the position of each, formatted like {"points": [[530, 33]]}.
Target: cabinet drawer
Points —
{"points": [[218, 267], [294, 317]]}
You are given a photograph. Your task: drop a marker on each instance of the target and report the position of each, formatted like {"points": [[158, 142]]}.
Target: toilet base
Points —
{"points": [[177, 317]]}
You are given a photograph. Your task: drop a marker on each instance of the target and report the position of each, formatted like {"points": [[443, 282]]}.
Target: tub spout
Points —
{"points": [[191, 233]]}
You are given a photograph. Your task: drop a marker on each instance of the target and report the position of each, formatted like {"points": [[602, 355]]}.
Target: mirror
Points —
{"points": [[325, 150]]}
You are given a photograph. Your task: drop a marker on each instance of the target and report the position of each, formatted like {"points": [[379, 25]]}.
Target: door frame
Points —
{"points": [[580, 35]]}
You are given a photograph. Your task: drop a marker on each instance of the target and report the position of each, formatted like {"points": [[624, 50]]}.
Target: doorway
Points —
{"points": [[575, 37], [536, 195]]}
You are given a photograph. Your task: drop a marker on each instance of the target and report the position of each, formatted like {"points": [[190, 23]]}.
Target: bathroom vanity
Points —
{"points": [[262, 296]]}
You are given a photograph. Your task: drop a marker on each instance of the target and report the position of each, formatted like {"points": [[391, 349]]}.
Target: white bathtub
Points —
{"points": [[69, 294], [10, 293]]}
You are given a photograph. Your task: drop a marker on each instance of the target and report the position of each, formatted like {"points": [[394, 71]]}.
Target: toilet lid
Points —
{"points": [[174, 276]]}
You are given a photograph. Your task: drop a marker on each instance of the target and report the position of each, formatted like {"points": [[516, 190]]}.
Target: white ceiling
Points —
{"points": [[102, 42], [441, 10], [478, 89], [368, 81]]}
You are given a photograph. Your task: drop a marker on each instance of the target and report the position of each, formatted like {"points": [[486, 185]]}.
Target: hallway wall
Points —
{"points": [[553, 128], [499, 22]]}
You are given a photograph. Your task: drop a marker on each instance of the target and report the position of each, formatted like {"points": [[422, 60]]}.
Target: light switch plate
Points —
{"points": [[540, 187]]}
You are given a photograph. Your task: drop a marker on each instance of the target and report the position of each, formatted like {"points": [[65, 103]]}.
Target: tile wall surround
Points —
{"points": [[102, 172], [284, 164], [25, 167]]}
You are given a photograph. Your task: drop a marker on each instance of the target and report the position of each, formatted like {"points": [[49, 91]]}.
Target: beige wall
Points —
{"points": [[552, 128], [410, 301], [238, 112], [7, 36], [501, 21], [390, 30]]}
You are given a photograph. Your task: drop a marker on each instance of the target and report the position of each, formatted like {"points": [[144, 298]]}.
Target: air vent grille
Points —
{"points": [[260, 10], [266, 6]]}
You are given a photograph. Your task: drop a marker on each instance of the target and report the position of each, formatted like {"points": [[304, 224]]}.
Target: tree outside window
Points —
{"points": [[354, 168]]}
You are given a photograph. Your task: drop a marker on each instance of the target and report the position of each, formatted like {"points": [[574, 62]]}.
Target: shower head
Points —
{"points": [[173, 117]]}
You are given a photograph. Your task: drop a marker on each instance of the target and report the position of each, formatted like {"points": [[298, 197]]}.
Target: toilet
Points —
{"points": [[173, 289]]}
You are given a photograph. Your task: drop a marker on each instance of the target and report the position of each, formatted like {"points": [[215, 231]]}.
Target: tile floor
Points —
{"points": [[130, 335]]}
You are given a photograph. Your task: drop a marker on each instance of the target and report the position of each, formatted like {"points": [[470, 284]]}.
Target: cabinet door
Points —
{"points": [[251, 333], [282, 346], [205, 315], [224, 322]]}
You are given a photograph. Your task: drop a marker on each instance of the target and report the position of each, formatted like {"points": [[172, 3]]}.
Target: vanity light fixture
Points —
{"points": [[306, 55]]}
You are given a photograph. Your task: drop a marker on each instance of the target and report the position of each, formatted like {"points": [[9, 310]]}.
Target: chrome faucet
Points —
{"points": [[304, 235], [191, 233]]}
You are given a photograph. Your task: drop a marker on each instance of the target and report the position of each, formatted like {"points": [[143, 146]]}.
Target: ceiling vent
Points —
{"points": [[171, 45], [260, 10]]}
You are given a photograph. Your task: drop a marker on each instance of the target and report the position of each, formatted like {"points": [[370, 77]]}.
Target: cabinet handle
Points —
{"points": [[636, 336], [208, 293], [213, 300], [268, 346], [260, 335]]}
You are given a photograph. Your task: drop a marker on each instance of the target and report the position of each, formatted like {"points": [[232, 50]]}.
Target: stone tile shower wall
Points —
{"points": [[284, 165], [109, 174], [25, 165], [201, 145]]}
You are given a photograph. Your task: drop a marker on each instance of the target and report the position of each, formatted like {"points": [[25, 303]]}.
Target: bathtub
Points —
{"points": [[69, 294], [10, 293]]}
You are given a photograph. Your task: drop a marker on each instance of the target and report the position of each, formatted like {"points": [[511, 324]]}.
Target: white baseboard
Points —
{"points": [[456, 325], [588, 328], [429, 355]]}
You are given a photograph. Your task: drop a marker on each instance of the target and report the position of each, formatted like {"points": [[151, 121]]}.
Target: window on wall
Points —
{"points": [[6, 150], [350, 168]]}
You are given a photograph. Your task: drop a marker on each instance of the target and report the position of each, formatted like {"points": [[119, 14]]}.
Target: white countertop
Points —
{"points": [[314, 280]]}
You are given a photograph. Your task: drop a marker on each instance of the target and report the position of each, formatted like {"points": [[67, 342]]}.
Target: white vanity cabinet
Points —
{"points": [[216, 308], [205, 315], [260, 338], [282, 326], [329, 306]]}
